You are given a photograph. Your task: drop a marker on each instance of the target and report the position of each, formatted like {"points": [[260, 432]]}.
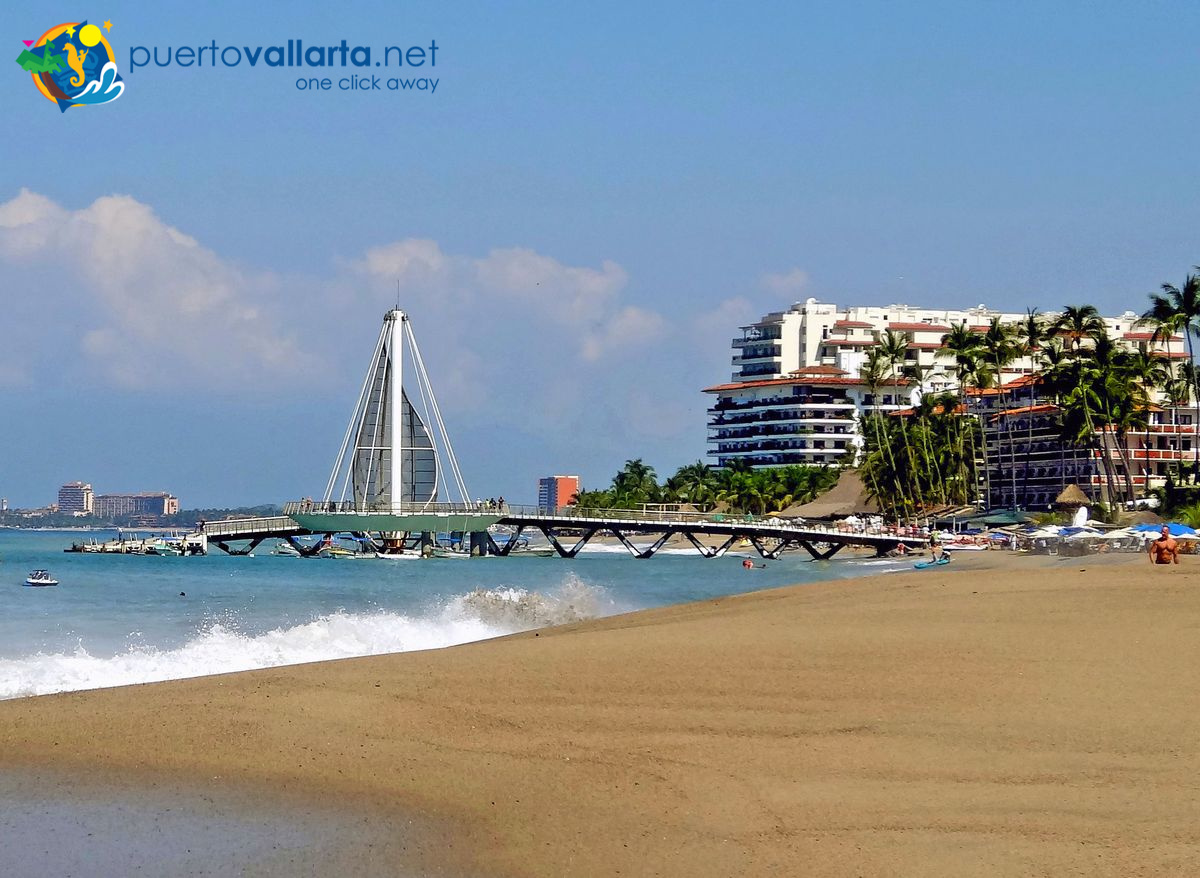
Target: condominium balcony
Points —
{"points": [[817, 429], [754, 355], [762, 368], [764, 335], [814, 401], [783, 415]]}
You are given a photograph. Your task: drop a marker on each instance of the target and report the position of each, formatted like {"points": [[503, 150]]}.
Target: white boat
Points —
{"points": [[283, 547], [40, 577], [398, 556]]}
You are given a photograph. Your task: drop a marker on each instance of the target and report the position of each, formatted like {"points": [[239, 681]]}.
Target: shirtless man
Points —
{"points": [[1164, 550]]}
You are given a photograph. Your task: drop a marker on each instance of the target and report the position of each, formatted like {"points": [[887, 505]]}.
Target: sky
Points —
{"points": [[577, 220]]}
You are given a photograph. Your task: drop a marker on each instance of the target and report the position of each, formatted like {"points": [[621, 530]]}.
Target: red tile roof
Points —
{"points": [[918, 327], [853, 324], [937, 410], [1016, 383], [1028, 409], [819, 370], [850, 342], [800, 380], [1147, 336]]}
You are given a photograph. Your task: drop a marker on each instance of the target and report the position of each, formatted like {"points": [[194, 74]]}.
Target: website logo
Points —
{"points": [[73, 65]]}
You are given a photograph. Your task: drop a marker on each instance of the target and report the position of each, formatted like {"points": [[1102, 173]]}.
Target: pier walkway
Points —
{"points": [[567, 529], [254, 530]]}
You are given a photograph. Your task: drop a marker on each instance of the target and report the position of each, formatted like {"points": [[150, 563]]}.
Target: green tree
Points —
{"points": [[1178, 309]]}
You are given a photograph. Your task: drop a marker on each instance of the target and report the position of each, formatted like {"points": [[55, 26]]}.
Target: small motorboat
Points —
{"points": [[40, 577]]}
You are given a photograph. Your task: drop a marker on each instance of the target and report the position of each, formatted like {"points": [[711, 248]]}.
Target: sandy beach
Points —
{"points": [[1006, 716]]}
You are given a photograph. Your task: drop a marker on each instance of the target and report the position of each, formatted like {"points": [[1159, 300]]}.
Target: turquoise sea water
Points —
{"points": [[118, 619]]}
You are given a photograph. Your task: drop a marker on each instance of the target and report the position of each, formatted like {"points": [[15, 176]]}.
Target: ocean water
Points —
{"points": [[115, 620]]}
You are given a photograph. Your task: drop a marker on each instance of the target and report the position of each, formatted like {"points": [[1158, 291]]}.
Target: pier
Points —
{"points": [[396, 484], [567, 529]]}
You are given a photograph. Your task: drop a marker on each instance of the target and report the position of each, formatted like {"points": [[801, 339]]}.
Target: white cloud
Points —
{"points": [[570, 311], [630, 327], [160, 303], [788, 283], [518, 343]]}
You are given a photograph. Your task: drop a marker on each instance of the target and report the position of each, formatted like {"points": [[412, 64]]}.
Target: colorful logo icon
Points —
{"points": [[73, 65]]}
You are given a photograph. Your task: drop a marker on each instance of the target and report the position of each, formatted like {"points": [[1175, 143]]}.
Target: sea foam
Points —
{"points": [[219, 648]]}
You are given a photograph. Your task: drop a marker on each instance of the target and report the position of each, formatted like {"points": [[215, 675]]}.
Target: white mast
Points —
{"points": [[396, 319], [393, 458]]}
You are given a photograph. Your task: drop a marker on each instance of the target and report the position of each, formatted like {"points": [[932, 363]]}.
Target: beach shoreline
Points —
{"points": [[1006, 715]]}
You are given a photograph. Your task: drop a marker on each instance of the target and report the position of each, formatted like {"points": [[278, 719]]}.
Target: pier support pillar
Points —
{"points": [[641, 553], [479, 543], [819, 556], [709, 551], [574, 550]]}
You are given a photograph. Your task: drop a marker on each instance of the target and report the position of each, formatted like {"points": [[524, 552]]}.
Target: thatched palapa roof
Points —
{"points": [[847, 497], [1072, 495]]}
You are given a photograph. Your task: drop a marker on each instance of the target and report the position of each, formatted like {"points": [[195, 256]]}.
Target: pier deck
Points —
{"points": [[567, 529]]}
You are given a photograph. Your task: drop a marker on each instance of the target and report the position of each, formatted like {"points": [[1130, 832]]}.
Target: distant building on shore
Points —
{"points": [[1026, 464], [150, 504], [556, 491], [75, 498], [796, 394]]}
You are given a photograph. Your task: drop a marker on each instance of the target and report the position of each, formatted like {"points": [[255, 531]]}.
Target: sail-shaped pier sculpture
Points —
{"points": [[396, 471]]}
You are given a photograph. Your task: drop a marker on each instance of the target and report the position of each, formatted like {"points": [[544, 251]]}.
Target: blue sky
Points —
{"points": [[594, 198]]}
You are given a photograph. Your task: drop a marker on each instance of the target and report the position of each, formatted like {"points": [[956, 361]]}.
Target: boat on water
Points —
{"points": [[283, 547], [164, 548], [40, 577], [398, 556]]}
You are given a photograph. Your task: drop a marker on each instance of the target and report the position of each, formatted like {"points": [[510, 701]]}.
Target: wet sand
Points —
{"points": [[1003, 716]]}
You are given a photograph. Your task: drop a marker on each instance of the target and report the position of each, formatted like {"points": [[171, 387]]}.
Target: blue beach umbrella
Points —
{"points": [[1174, 528]]}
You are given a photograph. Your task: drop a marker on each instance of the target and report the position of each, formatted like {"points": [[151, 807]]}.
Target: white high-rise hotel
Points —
{"points": [[796, 392]]}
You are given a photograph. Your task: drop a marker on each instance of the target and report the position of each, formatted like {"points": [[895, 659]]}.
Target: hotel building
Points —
{"points": [[556, 491], [796, 395], [75, 498], [153, 504]]}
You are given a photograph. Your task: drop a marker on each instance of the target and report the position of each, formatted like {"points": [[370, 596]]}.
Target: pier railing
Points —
{"points": [[566, 516]]}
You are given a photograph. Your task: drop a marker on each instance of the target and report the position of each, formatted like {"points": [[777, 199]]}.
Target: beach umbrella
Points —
{"points": [[1174, 528]]}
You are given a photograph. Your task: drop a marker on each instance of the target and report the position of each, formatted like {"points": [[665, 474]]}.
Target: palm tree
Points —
{"points": [[1030, 333], [592, 499], [1179, 309], [1078, 322], [924, 410], [635, 484], [692, 483], [967, 349], [1054, 364], [873, 375], [893, 347], [1000, 352]]}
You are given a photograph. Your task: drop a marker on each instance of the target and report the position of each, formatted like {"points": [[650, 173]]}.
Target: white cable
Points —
{"points": [[354, 421]]}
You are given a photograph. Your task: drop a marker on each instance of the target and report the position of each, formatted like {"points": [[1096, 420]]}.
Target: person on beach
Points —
{"points": [[1164, 550]]}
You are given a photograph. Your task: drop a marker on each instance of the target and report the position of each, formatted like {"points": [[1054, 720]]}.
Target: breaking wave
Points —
{"points": [[220, 648]]}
